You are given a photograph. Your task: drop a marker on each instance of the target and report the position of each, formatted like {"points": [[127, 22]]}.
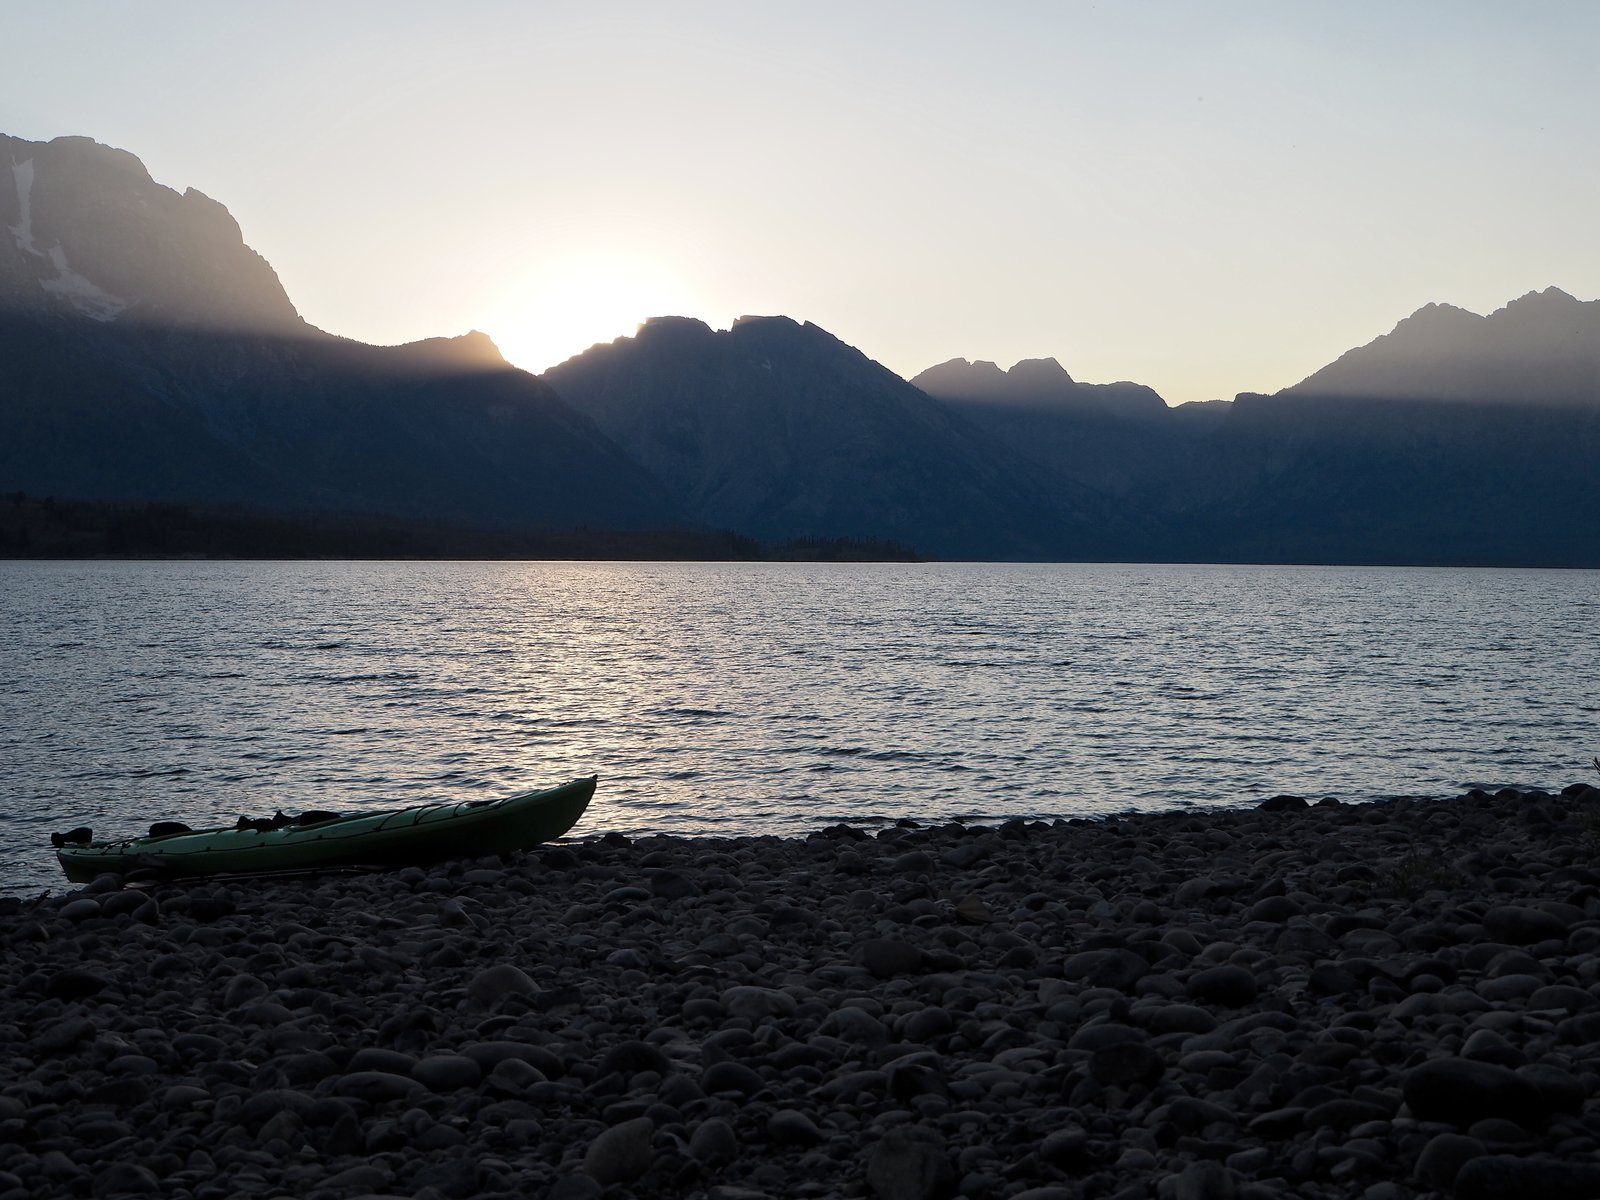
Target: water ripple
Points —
{"points": [[735, 698]]}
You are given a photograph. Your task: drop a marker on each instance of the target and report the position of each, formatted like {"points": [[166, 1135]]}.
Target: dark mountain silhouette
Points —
{"points": [[1456, 438], [1541, 349], [781, 430], [1042, 384], [147, 353], [1120, 438]]}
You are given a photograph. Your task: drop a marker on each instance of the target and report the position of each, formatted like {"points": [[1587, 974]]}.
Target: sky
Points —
{"points": [[1205, 198]]}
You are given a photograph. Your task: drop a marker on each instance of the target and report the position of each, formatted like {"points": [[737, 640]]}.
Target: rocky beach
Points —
{"points": [[1388, 1000]]}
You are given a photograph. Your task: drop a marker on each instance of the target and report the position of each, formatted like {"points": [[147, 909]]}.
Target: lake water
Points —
{"points": [[772, 698]]}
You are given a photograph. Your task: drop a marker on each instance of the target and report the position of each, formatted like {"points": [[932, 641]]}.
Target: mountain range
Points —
{"points": [[147, 354]]}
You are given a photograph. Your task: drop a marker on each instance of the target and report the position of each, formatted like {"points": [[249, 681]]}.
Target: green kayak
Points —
{"points": [[396, 837]]}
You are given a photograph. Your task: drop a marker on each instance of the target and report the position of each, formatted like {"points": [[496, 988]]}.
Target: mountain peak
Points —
{"points": [[109, 161], [1540, 348], [1040, 372], [471, 351], [480, 345], [673, 327], [91, 235], [1552, 305], [1549, 296], [1041, 384], [774, 321], [1436, 314]]}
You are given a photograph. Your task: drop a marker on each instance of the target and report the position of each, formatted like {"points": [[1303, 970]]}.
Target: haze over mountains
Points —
{"points": [[149, 354]]}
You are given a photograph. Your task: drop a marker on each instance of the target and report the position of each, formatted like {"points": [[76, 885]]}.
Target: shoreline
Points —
{"points": [[50, 884], [1395, 999]]}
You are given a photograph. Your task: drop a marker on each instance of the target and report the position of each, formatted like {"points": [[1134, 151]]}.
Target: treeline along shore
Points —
{"points": [[48, 527], [1399, 999]]}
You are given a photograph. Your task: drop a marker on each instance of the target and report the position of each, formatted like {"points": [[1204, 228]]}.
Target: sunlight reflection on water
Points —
{"points": [[737, 698]]}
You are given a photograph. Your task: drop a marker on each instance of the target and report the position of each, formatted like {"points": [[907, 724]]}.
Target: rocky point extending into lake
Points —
{"points": [[1390, 1000]]}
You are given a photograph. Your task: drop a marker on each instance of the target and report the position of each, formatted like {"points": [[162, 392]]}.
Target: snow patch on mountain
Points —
{"points": [[88, 297], [83, 294], [22, 173]]}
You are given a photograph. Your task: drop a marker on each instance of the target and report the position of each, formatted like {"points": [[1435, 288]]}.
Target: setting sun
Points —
{"points": [[566, 306]]}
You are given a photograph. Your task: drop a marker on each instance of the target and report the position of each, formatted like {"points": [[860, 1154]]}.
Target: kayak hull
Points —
{"points": [[396, 837]]}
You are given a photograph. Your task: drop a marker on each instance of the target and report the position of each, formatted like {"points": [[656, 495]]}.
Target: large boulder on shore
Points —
{"points": [[1462, 1091]]}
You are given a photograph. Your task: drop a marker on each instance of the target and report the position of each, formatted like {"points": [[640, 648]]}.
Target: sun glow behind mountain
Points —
{"points": [[1206, 199], [574, 301]]}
